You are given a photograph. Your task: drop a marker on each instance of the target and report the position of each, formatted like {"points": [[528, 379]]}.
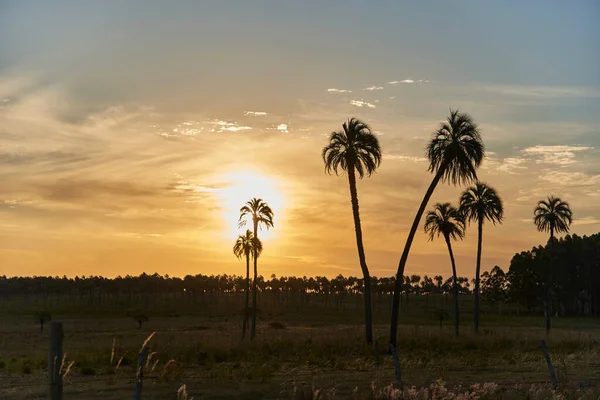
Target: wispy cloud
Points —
{"points": [[403, 157], [586, 221], [255, 113], [334, 90], [544, 91], [222, 126], [560, 178], [282, 128], [560, 155], [372, 88], [511, 165], [360, 103]]}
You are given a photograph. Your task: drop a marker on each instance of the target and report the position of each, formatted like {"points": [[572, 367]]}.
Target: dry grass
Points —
{"points": [[206, 354]]}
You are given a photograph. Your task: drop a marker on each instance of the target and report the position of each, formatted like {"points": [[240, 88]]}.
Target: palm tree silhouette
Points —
{"points": [[447, 221], [355, 150], [479, 203], [455, 152], [552, 215], [244, 246], [261, 214]]}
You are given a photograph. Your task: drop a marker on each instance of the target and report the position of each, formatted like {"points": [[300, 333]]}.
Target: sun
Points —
{"points": [[239, 187]]}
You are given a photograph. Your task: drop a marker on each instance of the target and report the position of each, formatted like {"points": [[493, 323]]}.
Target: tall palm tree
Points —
{"points": [[455, 152], [244, 246], [447, 221], [261, 215], [477, 204], [554, 216], [355, 150]]}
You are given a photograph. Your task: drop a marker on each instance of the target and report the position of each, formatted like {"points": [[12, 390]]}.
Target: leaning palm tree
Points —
{"points": [[455, 152], [244, 246], [554, 216], [447, 221], [261, 215], [477, 204], [355, 150]]}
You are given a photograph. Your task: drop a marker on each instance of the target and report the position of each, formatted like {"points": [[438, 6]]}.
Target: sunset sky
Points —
{"points": [[131, 132]]}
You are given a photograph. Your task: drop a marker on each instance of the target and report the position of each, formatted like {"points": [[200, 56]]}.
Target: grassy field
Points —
{"points": [[299, 350]]}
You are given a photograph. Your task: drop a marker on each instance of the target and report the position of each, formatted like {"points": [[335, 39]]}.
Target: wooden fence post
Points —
{"points": [[139, 378], [550, 367], [55, 354], [397, 365]]}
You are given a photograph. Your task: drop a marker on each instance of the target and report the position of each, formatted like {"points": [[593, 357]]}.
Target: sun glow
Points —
{"points": [[241, 187]]}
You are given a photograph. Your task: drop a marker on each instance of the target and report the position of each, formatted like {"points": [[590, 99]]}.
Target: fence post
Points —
{"points": [[55, 354], [397, 365], [550, 367], [139, 378]]}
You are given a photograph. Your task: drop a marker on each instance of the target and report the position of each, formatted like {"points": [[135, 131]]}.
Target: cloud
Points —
{"points": [[222, 126], [403, 157], [560, 178], [511, 165], [393, 82], [360, 103], [544, 91], [371, 88], [586, 221], [334, 90], [255, 113], [560, 155], [282, 128]]}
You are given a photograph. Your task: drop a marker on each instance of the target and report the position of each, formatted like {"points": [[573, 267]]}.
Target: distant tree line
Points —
{"points": [[575, 290]]}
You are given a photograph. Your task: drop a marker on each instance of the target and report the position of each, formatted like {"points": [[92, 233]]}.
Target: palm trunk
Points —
{"points": [[247, 296], [404, 258], [549, 284], [361, 256], [253, 331], [477, 271], [455, 286]]}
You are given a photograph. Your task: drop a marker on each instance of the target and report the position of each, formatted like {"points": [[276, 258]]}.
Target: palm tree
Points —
{"points": [[244, 246], [447, 221], [455, 152], [479, 203], [554, 216], [355, 150], [261, 214]]}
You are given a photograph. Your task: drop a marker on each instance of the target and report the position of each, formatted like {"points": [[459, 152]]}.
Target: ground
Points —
{"points": [[296, 348]]}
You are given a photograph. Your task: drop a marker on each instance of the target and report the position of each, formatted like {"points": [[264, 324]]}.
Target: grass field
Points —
{"points": [[297, 348]]}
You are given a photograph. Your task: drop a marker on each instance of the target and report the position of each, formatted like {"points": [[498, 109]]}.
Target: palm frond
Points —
{"points": [[552, 215], [444, 220], [355, 146], [481, 202], [456, 146]]}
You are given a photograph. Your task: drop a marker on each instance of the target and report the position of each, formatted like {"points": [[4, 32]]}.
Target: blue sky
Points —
{"points": [[127, 127]]}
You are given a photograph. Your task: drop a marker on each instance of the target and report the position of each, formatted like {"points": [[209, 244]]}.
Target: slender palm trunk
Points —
{"points": [[549, 283], [455, 286], [253, 331], [246, 308], [404, 258], [477, 271], [361, 257]]}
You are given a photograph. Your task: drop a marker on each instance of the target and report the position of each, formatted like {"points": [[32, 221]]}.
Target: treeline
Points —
{"points": [[575, 262]]}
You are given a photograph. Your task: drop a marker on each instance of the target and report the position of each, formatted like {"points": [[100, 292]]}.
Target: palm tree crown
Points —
{"points": [[259, 211], [457, 146], [354, 147], [481, 202], [552, 215], [243, 246], [445, 220]]}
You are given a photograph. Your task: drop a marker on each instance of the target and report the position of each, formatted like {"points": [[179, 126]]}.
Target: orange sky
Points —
{"points": [[131, 167]]}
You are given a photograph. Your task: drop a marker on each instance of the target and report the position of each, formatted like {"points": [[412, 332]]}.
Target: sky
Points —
{"points": [[131, 132]]}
